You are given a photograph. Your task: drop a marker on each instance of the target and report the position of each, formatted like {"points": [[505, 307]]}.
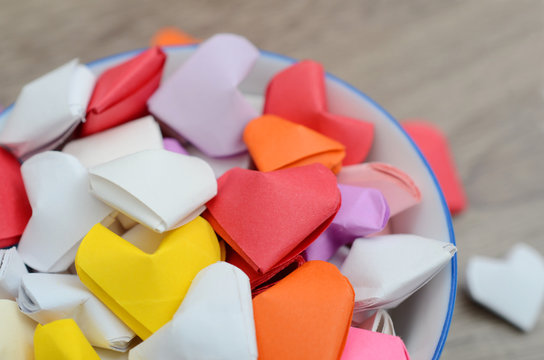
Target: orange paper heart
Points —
{"points": [[172, 36], [306, 315], [275, 143]]}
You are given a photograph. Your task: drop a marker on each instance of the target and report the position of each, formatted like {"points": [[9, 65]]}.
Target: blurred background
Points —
{"points": [[474, 68]]}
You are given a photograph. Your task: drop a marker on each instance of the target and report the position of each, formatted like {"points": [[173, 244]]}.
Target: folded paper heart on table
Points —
{"points": [[48, 297], [121, 92], [63, 210], [364, 344], [48, 109], [298, 94], [126, 139], [380, 322], [270, 218], [513, 288], [16, 332], [172, 144], [385, 270], [399, 189], [15, 209], [62, 340], [214, 321], [434, 146], [147, 289], [364, 211], [260, 281], [131, 185], [293, 319], [201, 100], [275, 143], [12, 270]]}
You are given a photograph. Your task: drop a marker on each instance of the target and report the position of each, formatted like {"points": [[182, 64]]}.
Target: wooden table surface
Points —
{"points": [[473, 67]]}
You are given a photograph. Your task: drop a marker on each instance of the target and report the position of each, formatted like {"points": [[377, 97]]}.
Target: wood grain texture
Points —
{"points": [[473, 67]]}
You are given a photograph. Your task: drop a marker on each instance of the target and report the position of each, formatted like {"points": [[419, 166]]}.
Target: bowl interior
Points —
{"points": [[423, 320]]}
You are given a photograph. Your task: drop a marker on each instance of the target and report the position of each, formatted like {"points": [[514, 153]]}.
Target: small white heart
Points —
{"points": [[513, 288], [214, 321]]}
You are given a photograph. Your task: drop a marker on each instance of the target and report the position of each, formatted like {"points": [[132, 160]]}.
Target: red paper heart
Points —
{"points": [[121, 93], [298, 94], [15, 210], [434, 146], [269, 218], [260, 282]]}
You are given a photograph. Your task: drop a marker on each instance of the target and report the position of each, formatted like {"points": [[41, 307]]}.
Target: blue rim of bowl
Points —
{"points": [[453, 289]]}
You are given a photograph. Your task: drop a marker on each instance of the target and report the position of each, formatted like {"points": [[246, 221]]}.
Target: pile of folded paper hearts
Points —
{"points": [[135, 246]]}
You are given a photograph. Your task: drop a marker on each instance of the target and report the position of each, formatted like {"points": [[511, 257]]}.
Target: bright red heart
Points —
{"points": [[15, 210], [270, 218], [260, 282], [298, 94], [121, 93], [434, 146]]}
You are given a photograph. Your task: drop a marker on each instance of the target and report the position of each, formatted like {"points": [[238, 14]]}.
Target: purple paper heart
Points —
{"points": [[364, 211]]}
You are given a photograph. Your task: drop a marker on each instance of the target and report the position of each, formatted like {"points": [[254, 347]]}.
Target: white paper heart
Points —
{"points": [[379, 321], [12, 270], [214, 321], [129, 138], [513, 288], [385, 270], [49, 297], [160, 189], [48, 109], [16, 332], [63, 210]]}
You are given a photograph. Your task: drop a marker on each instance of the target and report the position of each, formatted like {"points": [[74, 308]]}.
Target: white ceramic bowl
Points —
{"points": [[424, 319]]}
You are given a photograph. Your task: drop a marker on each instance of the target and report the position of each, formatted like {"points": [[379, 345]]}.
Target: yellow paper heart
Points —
{"points": [[145, 290], [62, 340]]}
